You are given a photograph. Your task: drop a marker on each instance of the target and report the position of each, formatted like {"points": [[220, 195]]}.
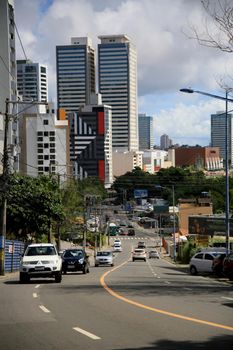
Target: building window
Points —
{"points": [[46, 133], [52, 133], [40, 145], [40, 133], [52, 157], [52, 138], [40, 162], [43, 69], [52, 145], [40, 138], [40, 157], [52, 150], [40, 168], [45, 122], [46, 145], [46, 157], [40, 150], [46, 168]]}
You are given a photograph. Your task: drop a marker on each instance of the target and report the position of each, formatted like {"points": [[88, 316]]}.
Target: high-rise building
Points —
{"points": [[145, 132], [32, 80], [91, 141], [165, 142], [117, 80], [75, 74], [218, 135], [8, 88]]}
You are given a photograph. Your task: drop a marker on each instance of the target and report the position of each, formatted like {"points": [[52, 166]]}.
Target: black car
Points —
{"points": [[75, 260], [131, 232]]}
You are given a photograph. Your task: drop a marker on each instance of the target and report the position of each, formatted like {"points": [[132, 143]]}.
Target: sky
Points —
{"points": [[167, 58]]}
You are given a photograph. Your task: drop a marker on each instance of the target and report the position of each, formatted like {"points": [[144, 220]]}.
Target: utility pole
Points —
{"points": [[5, 172]]}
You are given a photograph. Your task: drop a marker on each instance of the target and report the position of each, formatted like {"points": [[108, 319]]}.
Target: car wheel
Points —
{"points": [[112, 264], [193, 270], [58, 277], [85, 269], [23, 277], [65, 272], [133, 259], [144, 259]]}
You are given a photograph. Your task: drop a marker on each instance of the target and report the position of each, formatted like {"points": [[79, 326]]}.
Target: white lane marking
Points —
{"points": [[158, 277], [34, 295], [43, 308], [88, 334], [167, 282], [227, 298], [37, 286], [186, 288]]}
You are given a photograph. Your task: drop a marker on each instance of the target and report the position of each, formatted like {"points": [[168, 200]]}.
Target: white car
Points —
{"points": [[202, 262], [117, 247], [104, 257], [139, 254], [153, 254], [40, 260], [117, 241]]}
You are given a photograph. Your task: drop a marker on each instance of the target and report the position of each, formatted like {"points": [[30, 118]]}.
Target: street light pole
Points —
{"points": [[174, 223], [226, 99]]}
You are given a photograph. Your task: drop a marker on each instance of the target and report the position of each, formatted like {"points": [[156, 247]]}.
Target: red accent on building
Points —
{"points": [[101, 169], [100, 123]]}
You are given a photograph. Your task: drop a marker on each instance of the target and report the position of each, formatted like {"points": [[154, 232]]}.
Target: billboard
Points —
{"points": [[140, 193], [204, 225]]}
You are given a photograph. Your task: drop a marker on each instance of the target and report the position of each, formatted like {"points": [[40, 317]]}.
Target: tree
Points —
{"points": [[33, 204], [218, 27]]}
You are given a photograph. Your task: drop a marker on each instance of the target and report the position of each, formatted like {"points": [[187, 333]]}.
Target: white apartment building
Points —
{"points": [[117, 81], [32, 81], [44, 142], [75, 73], [8, 87], [154, 160]]}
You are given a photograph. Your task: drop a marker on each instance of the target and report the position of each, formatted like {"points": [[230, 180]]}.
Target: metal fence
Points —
{"points": [[13, 252]]}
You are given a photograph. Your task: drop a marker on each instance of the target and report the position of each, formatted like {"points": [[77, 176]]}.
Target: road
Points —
{"points": [[133, 305]]}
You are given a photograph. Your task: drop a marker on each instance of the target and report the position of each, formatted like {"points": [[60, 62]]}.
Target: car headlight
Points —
{"points": [[81, 261]]}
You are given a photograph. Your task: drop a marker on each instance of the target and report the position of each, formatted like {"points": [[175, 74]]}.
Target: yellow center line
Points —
{"points": [[163, 312]]}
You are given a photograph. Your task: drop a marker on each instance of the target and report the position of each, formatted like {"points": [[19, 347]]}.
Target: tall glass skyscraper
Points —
{"points": [[75, 73], [145, 132], [218, 122], [32, 82], [117, 80]]}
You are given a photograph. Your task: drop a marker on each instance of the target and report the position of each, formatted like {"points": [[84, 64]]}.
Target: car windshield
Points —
{"points": [[103, 253], [33, 251], [73, 254]]}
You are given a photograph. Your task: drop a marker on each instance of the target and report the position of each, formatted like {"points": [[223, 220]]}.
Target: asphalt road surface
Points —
{"points": [[133, 305]]}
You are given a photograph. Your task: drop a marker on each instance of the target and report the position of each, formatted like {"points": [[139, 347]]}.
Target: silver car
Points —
{"points": [[153, 254], [104, 258]]}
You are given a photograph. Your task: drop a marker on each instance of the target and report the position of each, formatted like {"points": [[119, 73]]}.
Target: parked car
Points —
{"points": [[139, 254], [217, 264], [141, 245], [75, 260], [153, 254], [202, 262], [228, 266], [40, 260], [123, 232], [104, 258]]}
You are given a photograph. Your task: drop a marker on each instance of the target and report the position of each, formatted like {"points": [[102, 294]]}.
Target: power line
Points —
{"points": [[20, 40]]}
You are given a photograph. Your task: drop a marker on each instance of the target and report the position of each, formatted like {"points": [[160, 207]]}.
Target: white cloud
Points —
{"points": [[167, 59]]}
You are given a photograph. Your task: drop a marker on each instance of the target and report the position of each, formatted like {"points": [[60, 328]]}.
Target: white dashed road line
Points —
{"points": [[43, 308], [227, 298], [37, 286], [34, 295], [88, 334], [187, 288]]}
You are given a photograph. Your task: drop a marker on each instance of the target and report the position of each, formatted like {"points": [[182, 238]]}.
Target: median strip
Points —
{"points": [[163, 312]]}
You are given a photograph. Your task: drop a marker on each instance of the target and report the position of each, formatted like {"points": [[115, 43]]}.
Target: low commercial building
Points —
{"points": [[124, 161]]}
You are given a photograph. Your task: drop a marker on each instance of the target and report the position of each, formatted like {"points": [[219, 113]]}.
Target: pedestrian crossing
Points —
{"points": [[133, 238]]}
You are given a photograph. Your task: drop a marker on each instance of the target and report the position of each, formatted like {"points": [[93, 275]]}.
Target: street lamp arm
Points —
{"points": [[191, 91]]}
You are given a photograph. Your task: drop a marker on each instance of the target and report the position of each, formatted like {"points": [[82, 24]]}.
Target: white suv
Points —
{"points": [[40, 260]]}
